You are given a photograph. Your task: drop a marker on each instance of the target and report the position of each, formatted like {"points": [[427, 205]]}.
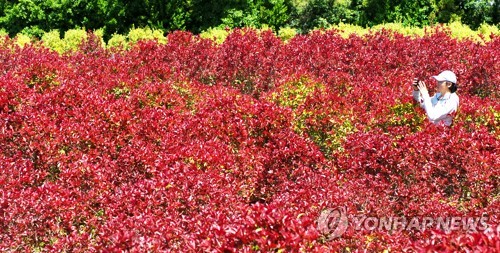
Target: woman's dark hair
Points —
{"points": [[453, 87]]}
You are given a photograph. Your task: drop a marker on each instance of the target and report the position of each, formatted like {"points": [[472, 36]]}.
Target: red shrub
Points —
{"points": [[240, 146]]}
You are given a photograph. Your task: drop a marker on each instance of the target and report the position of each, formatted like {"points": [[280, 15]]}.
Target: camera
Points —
{"points": [[415, 82]]}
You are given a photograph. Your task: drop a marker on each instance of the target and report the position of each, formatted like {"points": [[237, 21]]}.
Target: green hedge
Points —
{"points": [[34, 17]]}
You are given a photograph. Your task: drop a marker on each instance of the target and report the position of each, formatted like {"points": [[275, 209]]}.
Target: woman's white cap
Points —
{"points": [[446, 76]]}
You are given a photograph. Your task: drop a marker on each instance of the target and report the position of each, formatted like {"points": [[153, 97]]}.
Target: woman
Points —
{"points": [[441, 107]]}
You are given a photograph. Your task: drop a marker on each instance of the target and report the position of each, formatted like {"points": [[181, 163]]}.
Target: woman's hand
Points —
{"points": [[423, 89]]}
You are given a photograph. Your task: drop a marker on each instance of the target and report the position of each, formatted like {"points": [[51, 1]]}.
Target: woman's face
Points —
{"points": [[442, 87]]}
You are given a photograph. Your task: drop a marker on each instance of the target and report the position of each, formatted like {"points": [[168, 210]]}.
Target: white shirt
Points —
{"points": [[438, 109]]}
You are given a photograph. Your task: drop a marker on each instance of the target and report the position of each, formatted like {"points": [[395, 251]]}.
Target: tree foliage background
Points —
{"points": [[34, 17]]}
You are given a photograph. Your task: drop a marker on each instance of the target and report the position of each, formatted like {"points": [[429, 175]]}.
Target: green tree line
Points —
{"points": [[34, 17]]}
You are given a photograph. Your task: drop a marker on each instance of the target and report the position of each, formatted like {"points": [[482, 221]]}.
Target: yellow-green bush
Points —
{"points": [[287, 33], [22, 39], [488, 30], [461, 31], [118, 40], [137, 34], [347, 29], [399, 28], [216, 34], [53, 41], [73, 39], [99, 33], [219, 34], [455, 30]]}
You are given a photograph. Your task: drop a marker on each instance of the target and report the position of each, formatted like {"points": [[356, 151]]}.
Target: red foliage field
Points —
{"points": [[195, 146]]}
